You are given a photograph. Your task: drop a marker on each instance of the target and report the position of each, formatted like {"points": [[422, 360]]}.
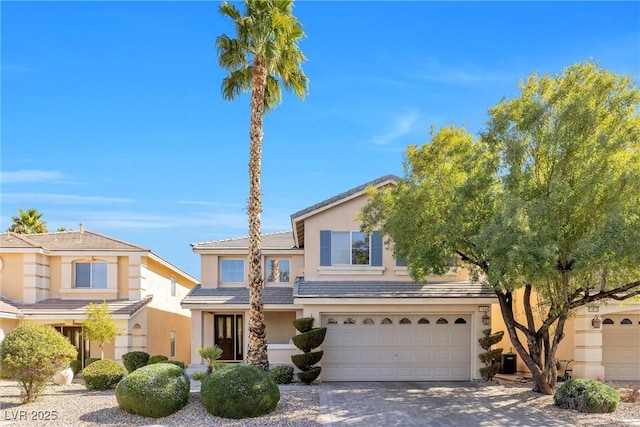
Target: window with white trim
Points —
{"points": [[232, 271], [90, 275], [278, 270], [350, 248], [172, 344]]}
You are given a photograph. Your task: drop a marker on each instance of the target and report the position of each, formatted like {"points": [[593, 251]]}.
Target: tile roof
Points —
{"points": [[270, 295], [9, 307], [79, 307], [71, 240], [389, 289], [344, 195], [280, 240], [14, 240]]}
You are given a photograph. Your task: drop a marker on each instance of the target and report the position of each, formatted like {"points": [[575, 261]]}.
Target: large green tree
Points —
{"points": [[545, 204], [263, 56], [28, 222]]}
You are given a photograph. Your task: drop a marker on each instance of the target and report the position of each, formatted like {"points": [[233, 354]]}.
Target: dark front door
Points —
{"points": [[74, 335], [228, 335]]}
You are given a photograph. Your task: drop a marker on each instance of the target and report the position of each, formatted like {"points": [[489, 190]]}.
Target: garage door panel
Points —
{"points": [[399, 351], [620, 344]]}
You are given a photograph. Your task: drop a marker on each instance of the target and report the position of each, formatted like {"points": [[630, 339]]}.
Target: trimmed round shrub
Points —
{"points": [[282, 374], [154, 391], [239, 391], [157, 359], [587, 396], [305, 361], [303, 324], [134, 360], [31, 354], [307, 341], [307, 377], [103, 375]]}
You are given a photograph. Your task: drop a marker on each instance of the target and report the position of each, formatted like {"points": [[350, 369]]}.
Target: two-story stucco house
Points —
{"points": [[51, 278], [380, 324]]}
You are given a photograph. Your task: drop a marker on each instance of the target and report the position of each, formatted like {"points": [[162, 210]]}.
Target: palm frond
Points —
{"points": [[232, 53], [236, 82], [228, 9]]}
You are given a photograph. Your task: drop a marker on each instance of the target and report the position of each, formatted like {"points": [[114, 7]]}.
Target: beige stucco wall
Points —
{"points": [[11, 276], [160, 324], [55, 271], [279, 325]]}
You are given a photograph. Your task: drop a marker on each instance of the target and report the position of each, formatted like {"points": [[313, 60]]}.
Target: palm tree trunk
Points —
{"points": [[257, 351]]}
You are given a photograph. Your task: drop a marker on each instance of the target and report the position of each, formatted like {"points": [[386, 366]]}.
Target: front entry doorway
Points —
{"points": [[228, 336], [74, 335]]}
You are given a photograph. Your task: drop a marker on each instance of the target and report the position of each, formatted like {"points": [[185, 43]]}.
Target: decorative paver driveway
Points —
{"points": [[404, 404]]}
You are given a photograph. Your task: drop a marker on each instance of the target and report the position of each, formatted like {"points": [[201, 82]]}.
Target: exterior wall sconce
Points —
{"points": [[596, 322], [486, 320]]}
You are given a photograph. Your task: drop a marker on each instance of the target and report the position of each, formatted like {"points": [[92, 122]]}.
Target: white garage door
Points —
{"points": [[621, 347], [397, 348]]}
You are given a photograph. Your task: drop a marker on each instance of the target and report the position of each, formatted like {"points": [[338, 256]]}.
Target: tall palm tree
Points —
{"points": [[28, 222], [264, 54]]}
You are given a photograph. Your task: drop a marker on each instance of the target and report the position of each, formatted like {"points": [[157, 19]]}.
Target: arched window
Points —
{"points": [[386, 321], [442, 321], [405, 321], [332, 321], [423, 321], [460, 321], [607, 321], [626, 321], [368, 321], [349, 321]]}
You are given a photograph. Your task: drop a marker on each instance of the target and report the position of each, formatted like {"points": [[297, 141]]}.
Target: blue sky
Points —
{"points": [[112, 114]]}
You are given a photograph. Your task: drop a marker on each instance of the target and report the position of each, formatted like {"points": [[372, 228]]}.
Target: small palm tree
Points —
{"points": [[210, 354], [264, 53], [28, 222]]}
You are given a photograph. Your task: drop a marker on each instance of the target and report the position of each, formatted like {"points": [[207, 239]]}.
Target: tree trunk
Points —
{"points": [[257, 346]]}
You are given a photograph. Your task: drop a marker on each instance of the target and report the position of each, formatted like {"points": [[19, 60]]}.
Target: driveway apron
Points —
{"points": [[424, 404]]}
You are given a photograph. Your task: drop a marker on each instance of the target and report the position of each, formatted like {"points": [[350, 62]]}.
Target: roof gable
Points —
{"points": [[298, 218]]}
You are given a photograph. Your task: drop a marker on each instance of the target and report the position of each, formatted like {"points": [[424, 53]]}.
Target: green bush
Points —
{"points": [[89, 360], [76, 366], [103, 375], [134, 360], [309, 376], [305, 361], [157, 359], [239, 391], [176, 362], [32, 354], [587, 396], [307, 341], [155, 390], [282, 374], [303, 324]]}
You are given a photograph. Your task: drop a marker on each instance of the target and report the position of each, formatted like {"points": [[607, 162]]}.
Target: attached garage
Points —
{"points": [[419, 347], [621, 346]]}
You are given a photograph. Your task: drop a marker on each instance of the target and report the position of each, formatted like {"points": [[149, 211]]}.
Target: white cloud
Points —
{"points": [[402, 126], [31, 175]]}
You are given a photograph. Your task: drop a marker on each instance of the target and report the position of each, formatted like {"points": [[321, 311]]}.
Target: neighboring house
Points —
{"points": [[380, 324], [601, 340], [51, 278]]}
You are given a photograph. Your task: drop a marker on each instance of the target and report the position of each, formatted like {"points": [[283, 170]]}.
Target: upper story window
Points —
{"points": [[278, 270], [173, 286], [232, 271], [350, 248], [91, 275]]}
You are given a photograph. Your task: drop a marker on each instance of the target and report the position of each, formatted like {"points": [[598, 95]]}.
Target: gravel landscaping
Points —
{"points": [[74, 405]]}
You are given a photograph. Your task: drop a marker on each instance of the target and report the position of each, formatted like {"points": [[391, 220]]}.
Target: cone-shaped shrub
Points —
{"points": [[305, 361], [491, 358], [307, 341], [303, 324]]}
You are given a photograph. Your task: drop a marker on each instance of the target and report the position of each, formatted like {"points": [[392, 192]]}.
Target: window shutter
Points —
{"points": [[376, 249], [325, 247]]}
